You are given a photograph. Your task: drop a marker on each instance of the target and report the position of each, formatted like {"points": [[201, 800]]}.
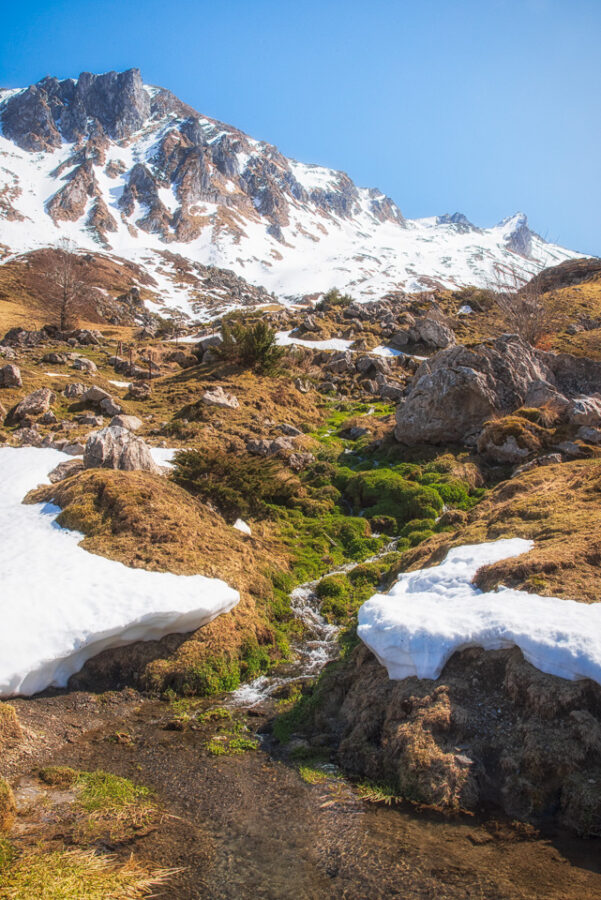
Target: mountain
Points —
{"points": [[128, 169]]}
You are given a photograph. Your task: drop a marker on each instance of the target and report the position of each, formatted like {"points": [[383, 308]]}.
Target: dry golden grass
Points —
{"points": [[7, 806], [10, 729], [78, 875]]}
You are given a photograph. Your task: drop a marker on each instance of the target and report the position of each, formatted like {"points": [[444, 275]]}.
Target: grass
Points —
{"points": [[7, 806], [230, 743], [78, 875], [374, 792], [9, 723], [312, 774]]}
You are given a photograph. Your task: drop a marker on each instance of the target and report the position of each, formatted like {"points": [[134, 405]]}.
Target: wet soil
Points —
{"points": [[248, 826]]}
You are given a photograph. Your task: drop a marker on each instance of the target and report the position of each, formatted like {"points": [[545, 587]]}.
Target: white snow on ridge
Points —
{"points": [[432, 613], [61, 605]]}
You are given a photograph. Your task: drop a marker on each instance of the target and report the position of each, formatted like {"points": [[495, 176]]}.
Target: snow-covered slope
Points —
{"points": [[430, 614], [61, 605], [115, 164]]}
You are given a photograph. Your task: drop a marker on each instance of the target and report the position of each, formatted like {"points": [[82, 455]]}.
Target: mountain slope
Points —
{"points": [[115, 164]]}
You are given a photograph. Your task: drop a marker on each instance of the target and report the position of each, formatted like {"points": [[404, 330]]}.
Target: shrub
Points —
{"points": [[239, 485], [251, 346], [333, 298]]}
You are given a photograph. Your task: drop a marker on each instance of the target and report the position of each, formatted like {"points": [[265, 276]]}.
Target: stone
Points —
{"points": [[92, 421], [35, 404], [48, 418], [94, 395], [139, 391], [85, 365], [109, 407], [74, 391], [435, 333], [589, 435], [132, 423], [507, 452], [56, 359], [118, 448], [183, 359], [585, 411], [7, 352], [302, 385], [299, 461], [289, 430], [218, 397], [456, 391], [10, 376], [74, 449]]}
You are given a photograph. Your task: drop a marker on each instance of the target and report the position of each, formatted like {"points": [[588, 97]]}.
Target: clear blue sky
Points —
{"points": [[482, 106]]}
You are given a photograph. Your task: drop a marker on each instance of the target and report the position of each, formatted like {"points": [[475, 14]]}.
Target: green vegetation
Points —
{"points": [[240, 485], [251, 346], [375, 792], [231, 740], [104, 791], [332, 299]]}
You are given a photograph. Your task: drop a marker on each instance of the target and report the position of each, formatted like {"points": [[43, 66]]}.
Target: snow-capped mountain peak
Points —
{"points": [[111, 162]]}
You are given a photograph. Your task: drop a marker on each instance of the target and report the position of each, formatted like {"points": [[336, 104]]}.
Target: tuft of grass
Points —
{"points": [[105, 791], [312, 775], [78, 875], [374, 792], [59, 776], [7, 806]]}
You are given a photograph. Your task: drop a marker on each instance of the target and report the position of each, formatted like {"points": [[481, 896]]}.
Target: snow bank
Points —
{"points": [[430, 614], [61, 605]]}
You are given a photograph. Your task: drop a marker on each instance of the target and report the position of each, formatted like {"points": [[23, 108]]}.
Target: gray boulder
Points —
{"points": [[35, 404], [85, 365], [74, 391], [118, 448], [132, 423], [585, 411], [218, 397], [456, 391], [10, 376]]}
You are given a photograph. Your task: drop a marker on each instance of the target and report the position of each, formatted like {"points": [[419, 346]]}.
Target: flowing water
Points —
{"points": [[319, 645]]}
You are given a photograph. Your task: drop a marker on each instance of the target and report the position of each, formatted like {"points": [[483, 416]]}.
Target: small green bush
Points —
{"points": [[251, 346], [240, 485]]}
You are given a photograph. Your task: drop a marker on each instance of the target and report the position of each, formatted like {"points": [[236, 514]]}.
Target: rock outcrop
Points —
{"points": [[118, 448], [455, 392]]}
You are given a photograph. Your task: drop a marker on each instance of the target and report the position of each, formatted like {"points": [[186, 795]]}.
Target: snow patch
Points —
{"points": [[62, 605], [430, 614]]}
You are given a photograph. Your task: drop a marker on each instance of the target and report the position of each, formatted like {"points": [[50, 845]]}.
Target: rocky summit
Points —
{"points": [[113, 163]]}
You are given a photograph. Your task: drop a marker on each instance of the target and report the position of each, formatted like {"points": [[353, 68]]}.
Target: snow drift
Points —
{"points": [[61, 605], [432, 613]]}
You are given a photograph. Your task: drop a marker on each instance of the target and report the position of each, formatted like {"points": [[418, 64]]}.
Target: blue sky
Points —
{"points": [[482, 107]]}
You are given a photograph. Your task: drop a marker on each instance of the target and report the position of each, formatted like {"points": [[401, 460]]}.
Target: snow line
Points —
{"points": [[432, 613], [61, 605]]}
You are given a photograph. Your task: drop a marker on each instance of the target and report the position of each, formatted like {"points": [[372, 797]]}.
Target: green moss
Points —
{"points": [[383, 492], [212, 676]]}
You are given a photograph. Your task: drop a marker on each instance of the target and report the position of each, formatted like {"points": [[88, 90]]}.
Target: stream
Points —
{"points": [[319, 647]]}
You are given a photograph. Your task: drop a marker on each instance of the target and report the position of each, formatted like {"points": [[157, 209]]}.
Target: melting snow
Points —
{"points": [[62, 605], [430, 614]]}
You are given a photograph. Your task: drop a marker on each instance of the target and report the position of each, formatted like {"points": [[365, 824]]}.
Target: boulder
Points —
{"points": [[213, 340], [585, 411], [7, 352], [218, 397], [118, 448], [132, 423], [434, 333], [95, 395], [109, 407], [10, 376], [455, 392], [92, 421], [85, 365], [35, 404], [75, 390], [138, 391], [183, 359]]}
